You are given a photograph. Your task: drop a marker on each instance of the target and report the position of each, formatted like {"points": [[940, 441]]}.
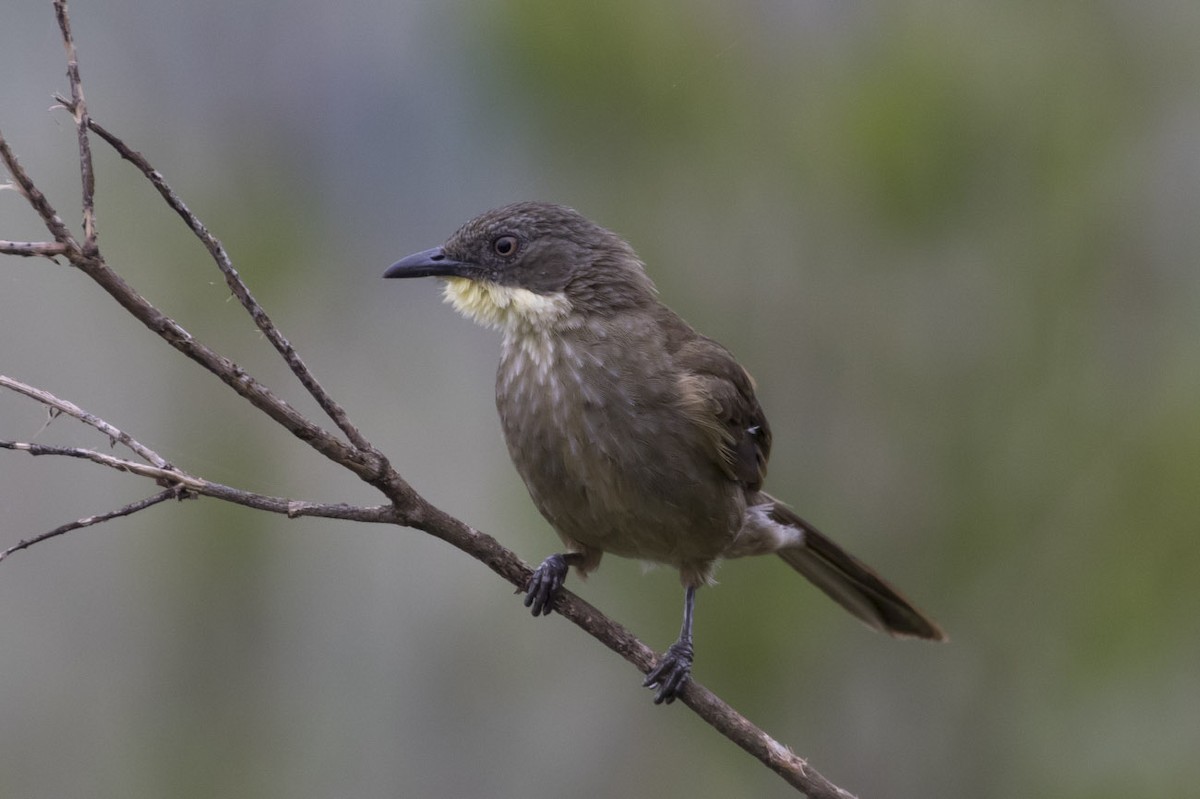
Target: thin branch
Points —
{"points": [[368, 464], [182, 481], [794, 769], [78, 108], [407, 508], [167, 475], [230, 373], [88, 521], [71, 409], [715, 711], [23, 184], [486, 549], [708, 706], [479, 546], [239, 289], [46, 249]]}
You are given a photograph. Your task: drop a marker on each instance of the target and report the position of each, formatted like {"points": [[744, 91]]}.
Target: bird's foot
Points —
{"points": [[673, 671], [545, 583]]}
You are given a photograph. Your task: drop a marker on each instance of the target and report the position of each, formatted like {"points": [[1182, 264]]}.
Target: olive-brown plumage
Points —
{"points": [[634, 434]]}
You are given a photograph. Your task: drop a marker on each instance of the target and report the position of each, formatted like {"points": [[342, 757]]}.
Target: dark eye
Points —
{"points": [[505, 245]]}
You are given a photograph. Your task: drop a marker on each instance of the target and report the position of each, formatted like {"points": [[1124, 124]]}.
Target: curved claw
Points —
{"points": [[544, 585], [673, 671]]}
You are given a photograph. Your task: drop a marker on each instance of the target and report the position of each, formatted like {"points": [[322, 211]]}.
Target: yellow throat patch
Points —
{"points": [[505, 308]]}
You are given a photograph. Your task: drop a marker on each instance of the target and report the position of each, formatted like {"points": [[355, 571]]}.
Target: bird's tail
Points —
{"points": [[850, 582]]}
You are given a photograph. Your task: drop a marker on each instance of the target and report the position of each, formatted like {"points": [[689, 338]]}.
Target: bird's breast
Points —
{"points": [[558, 399], [593, 427]]}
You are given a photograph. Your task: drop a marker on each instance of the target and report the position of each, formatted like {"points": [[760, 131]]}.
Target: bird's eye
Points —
{"points": [[505, 245]]}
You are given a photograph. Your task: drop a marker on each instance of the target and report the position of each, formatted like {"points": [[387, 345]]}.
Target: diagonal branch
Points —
{"points": [[368, 464], [24, 184], [167, 475], [794, 769], [480, 546], [88, 521], [362, 464], [71, 409], [78, 108], [407, 508], [710, 707], [198, 486], [239, 289]]}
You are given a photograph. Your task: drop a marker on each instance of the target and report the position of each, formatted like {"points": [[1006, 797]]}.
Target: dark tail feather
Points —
{"points": [[852, 584]]}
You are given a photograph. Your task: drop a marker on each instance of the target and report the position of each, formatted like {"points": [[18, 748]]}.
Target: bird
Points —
{"points": [[634, 434]]}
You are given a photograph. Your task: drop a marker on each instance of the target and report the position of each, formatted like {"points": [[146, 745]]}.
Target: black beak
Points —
{"points": [[430, 263]]}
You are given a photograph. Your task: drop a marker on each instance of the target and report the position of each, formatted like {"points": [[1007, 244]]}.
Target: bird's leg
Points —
{"points": [[675, 666], [547, 580]]}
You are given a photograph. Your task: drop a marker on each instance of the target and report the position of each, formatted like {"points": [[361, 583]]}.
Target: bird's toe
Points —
{"points": [[673, 671], [544, 585]]}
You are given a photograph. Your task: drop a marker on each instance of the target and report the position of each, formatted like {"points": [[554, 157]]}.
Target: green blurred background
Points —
{"points": [[955, 242]]}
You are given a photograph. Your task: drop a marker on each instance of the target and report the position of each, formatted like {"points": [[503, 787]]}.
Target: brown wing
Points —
{"points": [[718, 395]]}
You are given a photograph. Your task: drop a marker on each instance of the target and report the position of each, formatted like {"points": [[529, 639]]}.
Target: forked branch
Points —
{"points": [[405, 507]]}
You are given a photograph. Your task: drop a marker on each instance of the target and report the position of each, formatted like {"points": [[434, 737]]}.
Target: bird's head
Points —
{"points": [[533, 266]]}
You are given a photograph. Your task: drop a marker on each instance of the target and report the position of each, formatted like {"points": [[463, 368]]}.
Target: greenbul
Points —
{"points": [[634, 434]]}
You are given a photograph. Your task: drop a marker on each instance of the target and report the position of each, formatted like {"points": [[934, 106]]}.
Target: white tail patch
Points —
{"points": [[762, 535]]}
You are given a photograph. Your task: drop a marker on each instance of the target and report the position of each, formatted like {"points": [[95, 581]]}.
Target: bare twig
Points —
{"points": [[478, 545], [715, 711], [78, 108], [712, 709], [71, 409], [181, 480], [88, 521], [23, 184], [46, 249], [488, 550], [407, 508], [165, 474], [369, 465], [240, 290], [229, 372]]}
